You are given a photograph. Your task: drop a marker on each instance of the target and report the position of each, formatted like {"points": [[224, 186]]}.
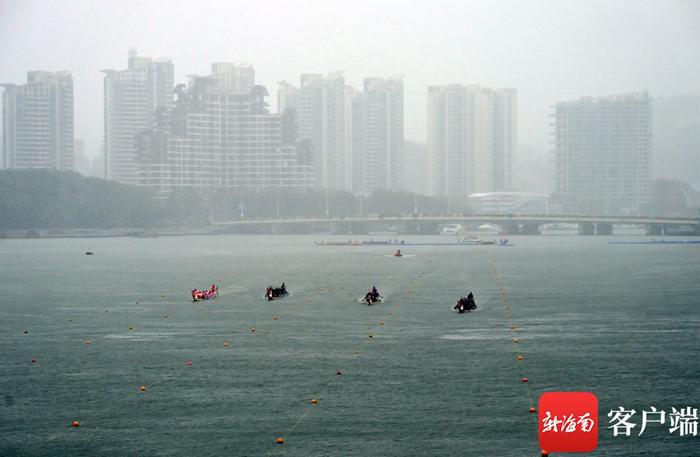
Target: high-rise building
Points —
{"points": [[380, 153], [131, 97], [603, 154], [321, 116], [233, 78], [472, 133], [38, 122], [676, 141], [216, 137]]}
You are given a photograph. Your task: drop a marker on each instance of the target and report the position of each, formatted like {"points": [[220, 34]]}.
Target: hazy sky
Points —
{"points": [[549, 50]]}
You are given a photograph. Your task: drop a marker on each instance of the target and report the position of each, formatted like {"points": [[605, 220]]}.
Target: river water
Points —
{"points": [[621, 321]]}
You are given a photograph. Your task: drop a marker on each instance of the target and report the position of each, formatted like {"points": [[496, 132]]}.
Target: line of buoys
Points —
{"points": [[338, 372], [509, 317]]}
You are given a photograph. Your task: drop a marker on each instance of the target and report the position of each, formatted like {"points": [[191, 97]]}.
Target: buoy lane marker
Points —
{"points": [[507, 310], [378, 325]]}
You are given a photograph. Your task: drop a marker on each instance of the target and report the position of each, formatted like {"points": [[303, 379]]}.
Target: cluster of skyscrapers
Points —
{"points": [[215, 132]]}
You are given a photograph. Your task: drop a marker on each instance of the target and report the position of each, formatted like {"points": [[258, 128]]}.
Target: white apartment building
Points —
{"points": [[603, 154], [322, 119], [218, 138], [380, 153], [38, 122], [131, 97], [472, 136]]}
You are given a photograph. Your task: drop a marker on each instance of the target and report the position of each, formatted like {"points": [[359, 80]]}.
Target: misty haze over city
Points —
{"points": [[333, 228], [548, 51]]}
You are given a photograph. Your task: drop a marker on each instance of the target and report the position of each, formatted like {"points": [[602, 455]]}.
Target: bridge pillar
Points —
{"points": [[655, 230], [603, 229], [586, 228], [359, 228], [413, 228], [530, 229], [511, 228], [426, 228]]}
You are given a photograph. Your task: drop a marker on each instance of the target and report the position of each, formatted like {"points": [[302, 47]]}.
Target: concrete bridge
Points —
{"points": [[424, 224]]}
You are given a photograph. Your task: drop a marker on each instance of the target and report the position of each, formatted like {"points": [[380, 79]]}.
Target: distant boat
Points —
{"points": [[451, 229], [489, 229]]}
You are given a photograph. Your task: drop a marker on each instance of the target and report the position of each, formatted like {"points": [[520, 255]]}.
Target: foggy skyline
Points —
{"points": [[548, 51]]}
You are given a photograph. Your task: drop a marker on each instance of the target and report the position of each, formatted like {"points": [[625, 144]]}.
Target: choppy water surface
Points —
{"points": [[620, 321]]}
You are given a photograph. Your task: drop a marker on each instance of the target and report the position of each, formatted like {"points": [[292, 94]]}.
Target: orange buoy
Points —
{"points": [[524, 380], [75, 424], [279, 440], [225, 344], [532, 409], [142, 388], [520, 357], [188, 363], [314, 401]]}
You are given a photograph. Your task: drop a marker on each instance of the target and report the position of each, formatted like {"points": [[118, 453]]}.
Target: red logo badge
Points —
{"points": [[568, 421]]}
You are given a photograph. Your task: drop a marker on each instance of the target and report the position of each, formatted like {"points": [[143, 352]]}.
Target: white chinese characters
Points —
{"points": [[683, 421], [567, 423]]}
